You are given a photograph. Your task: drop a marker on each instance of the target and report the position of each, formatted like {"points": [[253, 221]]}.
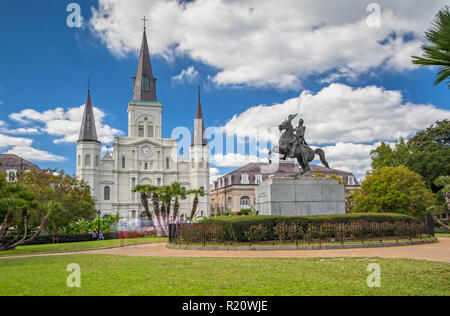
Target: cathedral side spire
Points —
{"points": [[144, 83], [88, 131], [198, 138]]}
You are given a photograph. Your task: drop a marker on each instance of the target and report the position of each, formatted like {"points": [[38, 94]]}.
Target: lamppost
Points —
{"points": [[98, 226]]}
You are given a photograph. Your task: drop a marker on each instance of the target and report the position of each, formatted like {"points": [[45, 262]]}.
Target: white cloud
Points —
{"points": [[66, 124], [348, 122], [265, 42], [214, 175], [234, 160], [186, 75], [340, 113], [22, 147], [20, 131]]}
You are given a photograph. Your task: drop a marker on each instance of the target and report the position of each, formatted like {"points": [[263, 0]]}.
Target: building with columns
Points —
{"points": [[143, 157]]}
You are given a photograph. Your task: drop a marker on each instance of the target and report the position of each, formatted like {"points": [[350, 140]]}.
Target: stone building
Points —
{"points": [[236, 190], [143, 157], [12, 165]]}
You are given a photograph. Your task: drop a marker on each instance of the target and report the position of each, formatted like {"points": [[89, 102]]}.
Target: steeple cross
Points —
{"points": [[145, 20]]}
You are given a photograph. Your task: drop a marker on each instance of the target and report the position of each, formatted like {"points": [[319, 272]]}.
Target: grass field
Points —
{"points": [[123, 275], [79, 246], [442, 235]]}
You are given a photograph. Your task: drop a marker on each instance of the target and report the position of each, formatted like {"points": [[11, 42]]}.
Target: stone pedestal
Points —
{"points": [[299, 197]]}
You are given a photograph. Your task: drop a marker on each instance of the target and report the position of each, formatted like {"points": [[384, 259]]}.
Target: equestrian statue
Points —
{"points": [[292, 144]]}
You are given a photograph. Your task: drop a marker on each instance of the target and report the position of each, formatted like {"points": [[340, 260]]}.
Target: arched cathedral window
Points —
{"points": [[150, 130], [107, 193], [87, 160]]}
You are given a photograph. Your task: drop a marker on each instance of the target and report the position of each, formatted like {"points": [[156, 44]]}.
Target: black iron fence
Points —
{"points": [[298, 233]]}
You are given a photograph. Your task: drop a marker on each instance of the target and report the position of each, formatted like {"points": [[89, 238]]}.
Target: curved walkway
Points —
{"points": [[434, 252]]}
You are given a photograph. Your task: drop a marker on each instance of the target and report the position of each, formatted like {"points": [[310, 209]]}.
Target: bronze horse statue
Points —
{"points": [[303, 153]]}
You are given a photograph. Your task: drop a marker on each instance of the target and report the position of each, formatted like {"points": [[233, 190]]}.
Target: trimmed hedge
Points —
{"points": [[273, 220]]}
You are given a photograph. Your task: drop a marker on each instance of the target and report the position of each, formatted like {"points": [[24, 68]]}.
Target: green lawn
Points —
{"points": [[123, 275], [79, 246], [442, 235]]}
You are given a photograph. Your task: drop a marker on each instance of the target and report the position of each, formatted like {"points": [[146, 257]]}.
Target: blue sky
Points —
{"points": [[240, 63]]}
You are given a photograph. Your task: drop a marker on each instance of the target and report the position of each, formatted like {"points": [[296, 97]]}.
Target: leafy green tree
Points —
{"points": [[427, 153], [394, 190], [436, 134], [72, 194], [21, 208], [443, 183], [431, 163], [437, 51], [385, 156]]}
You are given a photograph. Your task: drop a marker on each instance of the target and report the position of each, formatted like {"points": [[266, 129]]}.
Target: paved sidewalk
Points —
{"points": [[434, 252]]}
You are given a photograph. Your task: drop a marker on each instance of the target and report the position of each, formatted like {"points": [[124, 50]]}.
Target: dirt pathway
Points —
{"points": [[434, 252]]}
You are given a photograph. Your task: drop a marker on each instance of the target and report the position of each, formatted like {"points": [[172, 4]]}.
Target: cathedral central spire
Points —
{"points": [[144, 83], [88, 132]]}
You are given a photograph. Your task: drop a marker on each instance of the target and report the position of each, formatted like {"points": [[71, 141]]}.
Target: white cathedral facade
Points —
{"points": [[143, 157]]}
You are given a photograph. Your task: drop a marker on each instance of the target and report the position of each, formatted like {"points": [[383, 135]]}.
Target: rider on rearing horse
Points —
{"points": [[298, 139]]}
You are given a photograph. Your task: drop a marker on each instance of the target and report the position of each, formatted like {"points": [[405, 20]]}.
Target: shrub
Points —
{"points": [[281, 231], [256, 233]]}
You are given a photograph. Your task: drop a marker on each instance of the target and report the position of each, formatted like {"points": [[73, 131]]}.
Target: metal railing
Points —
{"points": [[357, 231]]}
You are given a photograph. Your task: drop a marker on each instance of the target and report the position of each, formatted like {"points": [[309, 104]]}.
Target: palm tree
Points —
{"points": [[143, 190], [155, 192], [437, 53], [178, 192], [197, 193], [166, 195]]}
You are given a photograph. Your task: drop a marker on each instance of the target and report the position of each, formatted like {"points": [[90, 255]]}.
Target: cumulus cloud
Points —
{"points": [[265, 42], [347, 122], [23, 147], [186, 75], [65, 124], [340, 113], [234, 159], [214, 175]]}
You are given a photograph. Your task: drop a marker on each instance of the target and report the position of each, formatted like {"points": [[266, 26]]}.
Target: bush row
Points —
{"points": [[340, 218], [283, 228]]}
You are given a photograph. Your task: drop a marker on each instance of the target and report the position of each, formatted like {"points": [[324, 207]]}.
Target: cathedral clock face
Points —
{"points": [[147, 151]]}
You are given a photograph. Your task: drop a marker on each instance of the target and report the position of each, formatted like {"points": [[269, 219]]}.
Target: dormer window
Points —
{"points": [[12, 175], [244, 179], [258, 179], [351, 180]]}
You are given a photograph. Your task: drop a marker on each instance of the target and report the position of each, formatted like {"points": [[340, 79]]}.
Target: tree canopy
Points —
{"points": [[427, 153], [394, 190], [72, 194]]}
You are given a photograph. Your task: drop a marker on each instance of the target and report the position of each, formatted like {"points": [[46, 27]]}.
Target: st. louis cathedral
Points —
{"points": [[144, 157]]}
